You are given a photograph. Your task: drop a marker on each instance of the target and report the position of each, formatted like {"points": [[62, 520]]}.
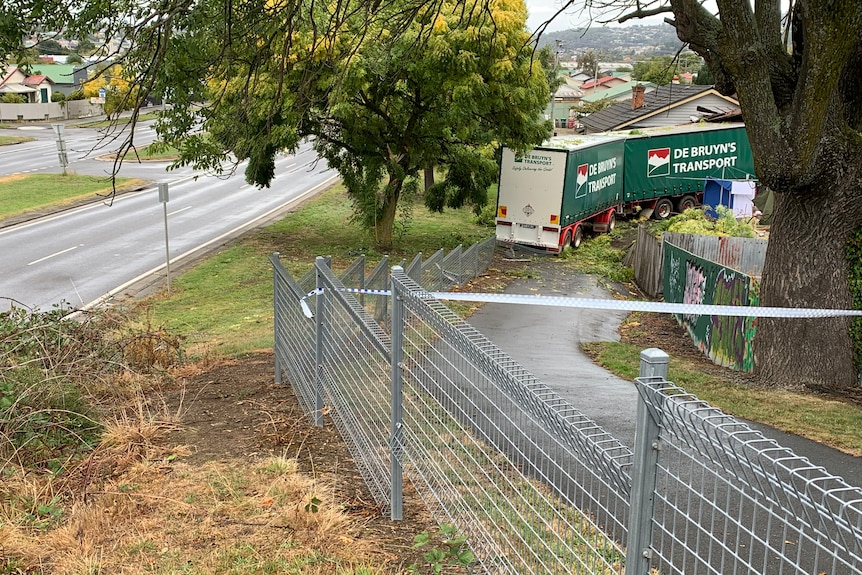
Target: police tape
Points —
{"points": [[614, 305]]}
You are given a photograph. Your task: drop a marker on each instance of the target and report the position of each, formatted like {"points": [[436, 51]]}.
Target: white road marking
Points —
{"points": [[52, 255]]}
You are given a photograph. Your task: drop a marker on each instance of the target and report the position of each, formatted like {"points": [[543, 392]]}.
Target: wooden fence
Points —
{"points": [[647, 255]]}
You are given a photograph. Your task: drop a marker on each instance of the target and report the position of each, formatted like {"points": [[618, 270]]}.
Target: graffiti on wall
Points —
{"points": [[692, 280]]}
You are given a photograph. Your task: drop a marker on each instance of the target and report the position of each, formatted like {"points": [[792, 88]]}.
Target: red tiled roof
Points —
{"points": [[599, 82], [36, 80]]}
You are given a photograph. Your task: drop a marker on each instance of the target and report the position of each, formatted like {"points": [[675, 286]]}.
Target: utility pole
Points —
{"points": [[559, 44]]}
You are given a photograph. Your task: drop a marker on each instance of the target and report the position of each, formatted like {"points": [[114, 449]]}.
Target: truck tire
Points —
{"points": [[686, 203], [578, 237], [567, 240], [612, 222], [663, 209]]}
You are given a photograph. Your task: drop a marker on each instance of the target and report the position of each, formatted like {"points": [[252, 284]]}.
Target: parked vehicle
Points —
{"points": [[551, 195]]}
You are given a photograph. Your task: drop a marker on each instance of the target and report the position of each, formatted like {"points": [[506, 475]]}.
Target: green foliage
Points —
{"points": [[447, 549], [659, 70], [704, 76], [695, 221], [588, 61], [853, 253], [598, 256], [12, 99]]}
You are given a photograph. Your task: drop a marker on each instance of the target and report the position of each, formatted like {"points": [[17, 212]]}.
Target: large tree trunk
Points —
{"points": [[802, 115], [385, 223], [806, 268]]}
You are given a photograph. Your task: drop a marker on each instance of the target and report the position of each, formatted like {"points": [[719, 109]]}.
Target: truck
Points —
{"points": [[549, 196]]}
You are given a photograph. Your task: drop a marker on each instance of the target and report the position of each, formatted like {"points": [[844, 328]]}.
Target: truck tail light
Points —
{"points": [[503, 223], [549, 229]]}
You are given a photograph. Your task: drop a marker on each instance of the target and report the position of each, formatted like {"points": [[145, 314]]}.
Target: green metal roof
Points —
{"points": [[59, 73]]}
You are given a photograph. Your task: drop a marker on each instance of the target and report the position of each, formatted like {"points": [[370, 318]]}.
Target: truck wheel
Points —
{"points": [[686, 203], [663, 209], [567, 240], [578, 237], [612, 222]]}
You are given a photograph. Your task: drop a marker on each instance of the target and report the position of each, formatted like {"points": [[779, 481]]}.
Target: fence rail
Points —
{"points": [[535, 485], [744, 255]]}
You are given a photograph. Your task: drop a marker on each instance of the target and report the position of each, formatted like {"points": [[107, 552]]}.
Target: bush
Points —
{"points": [[695, 221], [55, 371], [12, 99], [58, 97]]}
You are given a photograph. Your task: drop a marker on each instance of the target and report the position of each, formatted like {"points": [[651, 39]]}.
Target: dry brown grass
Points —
{"points": [[133, 506]]}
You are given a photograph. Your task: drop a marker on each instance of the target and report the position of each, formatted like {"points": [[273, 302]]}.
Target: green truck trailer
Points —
{"points": [[550, 196]]}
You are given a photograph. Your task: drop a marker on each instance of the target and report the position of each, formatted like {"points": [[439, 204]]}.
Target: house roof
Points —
{"points": [[600, 82], [15, 89], [615, 92], [660, 100], [37, 79]]}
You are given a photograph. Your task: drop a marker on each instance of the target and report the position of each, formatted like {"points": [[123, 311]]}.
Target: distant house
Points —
{"points": [[603, 83], [62, 76], [668, 105], [564, 98], [621, 93], [578, 78], [13, 83], [42, 86]]}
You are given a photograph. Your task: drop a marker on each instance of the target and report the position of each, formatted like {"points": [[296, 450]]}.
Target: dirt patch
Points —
{"points": [[235, 411]]}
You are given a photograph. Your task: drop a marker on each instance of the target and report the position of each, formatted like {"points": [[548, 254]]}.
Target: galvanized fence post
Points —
{"points": [[320, 326], [278, 300], [644, 470], [396, 432]]}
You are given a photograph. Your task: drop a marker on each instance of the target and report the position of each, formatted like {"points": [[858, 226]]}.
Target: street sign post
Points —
{"points": [[163, 198]]}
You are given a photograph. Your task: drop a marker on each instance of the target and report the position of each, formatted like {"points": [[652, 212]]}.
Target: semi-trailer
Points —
{"points": [[550, 195]]}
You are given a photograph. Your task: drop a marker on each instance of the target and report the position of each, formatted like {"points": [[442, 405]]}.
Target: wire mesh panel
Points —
{"points": [[485, 256], [355, 377], [729, 500], [534, 485], [432, 271], [453, 273], [294, 334]]}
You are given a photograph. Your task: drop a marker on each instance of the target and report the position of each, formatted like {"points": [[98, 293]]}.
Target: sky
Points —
{"points": [[538, 11]]}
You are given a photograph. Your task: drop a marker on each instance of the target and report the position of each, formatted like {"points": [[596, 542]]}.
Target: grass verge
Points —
{"points": [[224, 304], [8, 140], [20, 193]]}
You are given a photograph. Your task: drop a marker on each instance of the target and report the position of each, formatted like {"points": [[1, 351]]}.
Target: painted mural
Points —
{"points": [[693, 280]]}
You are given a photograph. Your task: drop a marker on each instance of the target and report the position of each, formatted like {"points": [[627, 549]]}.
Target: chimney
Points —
{"points": [[638, 96]]}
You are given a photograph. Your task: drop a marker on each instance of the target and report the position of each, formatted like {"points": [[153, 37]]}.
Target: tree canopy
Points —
{"points": [[386, 90]]}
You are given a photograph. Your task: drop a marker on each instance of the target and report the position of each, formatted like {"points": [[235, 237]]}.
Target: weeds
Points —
{"points": [[449, 549]]}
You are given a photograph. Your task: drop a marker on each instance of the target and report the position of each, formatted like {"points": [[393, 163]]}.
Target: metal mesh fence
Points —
{"points": [[729, 500], [535, 485]]}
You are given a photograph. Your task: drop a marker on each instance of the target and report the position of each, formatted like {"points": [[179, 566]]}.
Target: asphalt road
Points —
{"points": [[85, 255]]}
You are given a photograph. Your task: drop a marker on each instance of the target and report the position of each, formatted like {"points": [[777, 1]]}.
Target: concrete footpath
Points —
{"points": [[547, 342]]}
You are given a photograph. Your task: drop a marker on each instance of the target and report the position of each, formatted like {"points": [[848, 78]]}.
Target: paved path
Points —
{"points": [[546, 341]]}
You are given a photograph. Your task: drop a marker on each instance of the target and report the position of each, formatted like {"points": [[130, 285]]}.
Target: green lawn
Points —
{"points": [[21, 193], [224, 304]]}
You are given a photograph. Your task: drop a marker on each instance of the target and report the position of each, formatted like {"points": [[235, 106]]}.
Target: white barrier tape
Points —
{"points": [[620, 305]]}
